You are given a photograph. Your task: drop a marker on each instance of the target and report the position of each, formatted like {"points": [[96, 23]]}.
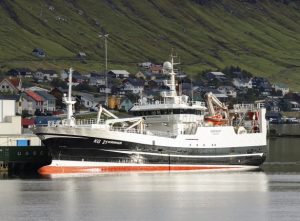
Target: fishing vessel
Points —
{"points": [[171, 134]]}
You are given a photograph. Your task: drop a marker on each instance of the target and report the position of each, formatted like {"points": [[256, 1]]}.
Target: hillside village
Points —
{"points": [[40, 92]]}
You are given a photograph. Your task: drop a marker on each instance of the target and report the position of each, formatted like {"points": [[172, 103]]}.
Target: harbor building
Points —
{"points": [[19, 150]]}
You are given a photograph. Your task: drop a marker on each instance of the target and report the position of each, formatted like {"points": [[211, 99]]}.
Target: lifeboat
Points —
{"points": [[216, 120]]}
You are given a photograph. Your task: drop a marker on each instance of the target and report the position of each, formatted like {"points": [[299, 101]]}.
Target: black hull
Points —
{"points": [[104, 150]]}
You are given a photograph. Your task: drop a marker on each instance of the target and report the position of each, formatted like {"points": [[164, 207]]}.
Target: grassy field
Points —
{"points": [[263, 38]]}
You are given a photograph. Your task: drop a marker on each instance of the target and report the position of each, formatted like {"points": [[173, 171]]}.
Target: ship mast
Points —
{"points": [[69, 102], [172, 73], [168, 67]]}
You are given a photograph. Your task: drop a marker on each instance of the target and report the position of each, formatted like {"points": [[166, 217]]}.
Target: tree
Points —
{"points": [[56, 82]]}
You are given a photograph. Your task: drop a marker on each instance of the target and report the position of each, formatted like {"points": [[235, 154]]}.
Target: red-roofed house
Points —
{"points": [[31, 102], [155, 69], [11, 85]]}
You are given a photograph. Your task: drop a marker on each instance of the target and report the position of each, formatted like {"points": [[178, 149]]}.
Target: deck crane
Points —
{"points": [[219, 117]]}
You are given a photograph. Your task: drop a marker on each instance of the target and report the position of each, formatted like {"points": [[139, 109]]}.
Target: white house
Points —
{"points": [[104, 89], [295, 106], [89, 101], [228, 90], [45, 75], [133, 85], [49, 100], [281, 87], [242, 83], [97, 81], [146, 64], [215, 75], [11, 85], [122, 74]]}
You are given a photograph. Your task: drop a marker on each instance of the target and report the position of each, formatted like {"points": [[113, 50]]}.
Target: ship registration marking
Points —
{"points": [[112, 142], [215, 132], [99, 141]]}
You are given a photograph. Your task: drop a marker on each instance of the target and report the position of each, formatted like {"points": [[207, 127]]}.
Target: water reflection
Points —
{"points": [[283, 156], [135, 196]]}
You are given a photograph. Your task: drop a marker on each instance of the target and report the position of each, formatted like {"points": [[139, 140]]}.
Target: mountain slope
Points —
{"points": [[260, 36]]}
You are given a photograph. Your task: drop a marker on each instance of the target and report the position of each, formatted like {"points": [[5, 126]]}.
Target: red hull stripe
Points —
{"points": [[98, 169]]}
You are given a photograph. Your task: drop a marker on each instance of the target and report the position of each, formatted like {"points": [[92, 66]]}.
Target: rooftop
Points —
{"points": [[34, 95]]}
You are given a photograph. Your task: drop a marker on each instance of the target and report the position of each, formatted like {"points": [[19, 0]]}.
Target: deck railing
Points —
{"points": [[136, 131], [167, 103], [79, 122], [247, 107]]}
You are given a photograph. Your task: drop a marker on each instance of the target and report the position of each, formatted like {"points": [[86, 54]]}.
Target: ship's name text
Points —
{"points": [[215, 132], [99, 141]]}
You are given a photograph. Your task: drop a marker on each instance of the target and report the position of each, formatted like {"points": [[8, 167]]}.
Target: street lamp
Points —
{"points": [[105, 36]]}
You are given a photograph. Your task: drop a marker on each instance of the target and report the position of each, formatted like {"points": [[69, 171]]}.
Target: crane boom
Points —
{"points": [[212, 100]]}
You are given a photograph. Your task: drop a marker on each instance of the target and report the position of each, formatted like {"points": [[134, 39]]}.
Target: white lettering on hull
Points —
{"points": [[99, 141]]}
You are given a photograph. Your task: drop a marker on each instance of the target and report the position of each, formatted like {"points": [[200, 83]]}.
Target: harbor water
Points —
{"points": [[272, 193]]}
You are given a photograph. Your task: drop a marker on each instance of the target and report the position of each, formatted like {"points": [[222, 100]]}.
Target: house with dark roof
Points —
{"points": [[49, 100], [146, 64], [81, 55], [133, 85], [221, 96], [274, 117], [96, 79], [20, 72], [45, 75], [89, 100], [295, 96], [121, 74], [281, 87], [117, 90], [38, 52], [242, 82], [103, 89], [58, 93], [11, 85], [81, 79], [262, 84], [228, 90], [216, 75], [77, 77]]}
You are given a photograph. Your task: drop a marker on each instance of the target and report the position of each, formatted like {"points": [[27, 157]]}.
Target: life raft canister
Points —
{"points": [[215, 120]]}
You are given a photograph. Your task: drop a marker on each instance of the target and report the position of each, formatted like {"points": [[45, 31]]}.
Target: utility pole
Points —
{"points": [[105, 36]]}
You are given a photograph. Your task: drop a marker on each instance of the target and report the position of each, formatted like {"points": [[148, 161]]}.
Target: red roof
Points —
{"points": [[157, 68], [35, 96], [27, 122], [15, 81]]}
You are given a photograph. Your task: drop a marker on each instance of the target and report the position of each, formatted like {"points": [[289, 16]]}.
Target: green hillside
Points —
{"points": [[262, 37]]}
